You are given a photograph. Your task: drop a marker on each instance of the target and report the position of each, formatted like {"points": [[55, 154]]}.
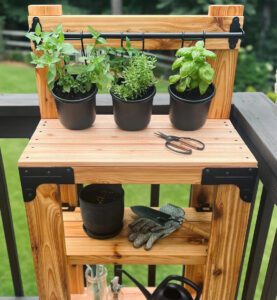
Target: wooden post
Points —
{"points": [[226, 244], [46, 229], [225, 66], [200, 196], [76, 279], [46, 101], [69, 194]]}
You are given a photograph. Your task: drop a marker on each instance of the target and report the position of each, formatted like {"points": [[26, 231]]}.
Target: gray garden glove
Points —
{"points": [[146, 232]]}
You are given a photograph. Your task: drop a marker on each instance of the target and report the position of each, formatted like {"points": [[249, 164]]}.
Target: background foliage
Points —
{"points": [[257, 62]]}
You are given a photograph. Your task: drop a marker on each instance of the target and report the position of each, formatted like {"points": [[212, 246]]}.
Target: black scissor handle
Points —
{"points": [[173, 146], [197, 145]]}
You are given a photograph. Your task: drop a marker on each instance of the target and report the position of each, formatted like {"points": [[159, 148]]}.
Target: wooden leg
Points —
{"points": [[226, 244], [69, 194], [76, 279], [47, 241], [200, 196]]}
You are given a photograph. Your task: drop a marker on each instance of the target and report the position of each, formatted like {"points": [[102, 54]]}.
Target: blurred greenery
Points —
{"points": [[257, 62]]}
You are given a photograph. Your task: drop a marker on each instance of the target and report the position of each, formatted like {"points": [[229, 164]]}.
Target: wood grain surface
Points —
{"points": [[47, 242], [228, 233], [188, 246], [107, 154]]}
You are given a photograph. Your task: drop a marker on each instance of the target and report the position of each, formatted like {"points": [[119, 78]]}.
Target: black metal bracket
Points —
{"points": [[32, 177], [235, 27], [245, 178]]}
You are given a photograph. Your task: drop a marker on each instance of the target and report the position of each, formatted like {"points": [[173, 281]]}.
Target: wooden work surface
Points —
{"points": [[107, 154], [189, 247]]}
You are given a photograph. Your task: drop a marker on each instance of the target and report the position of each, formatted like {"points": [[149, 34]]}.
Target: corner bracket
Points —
{"points": [[235, 27], [31, 178], [245, 178]]}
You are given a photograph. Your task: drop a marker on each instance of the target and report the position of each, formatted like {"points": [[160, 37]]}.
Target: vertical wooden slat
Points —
{"points": [[226, 244], [46, 230], [201, 196], [76, 279], [46, 101], [225, 66], [69, 194]]}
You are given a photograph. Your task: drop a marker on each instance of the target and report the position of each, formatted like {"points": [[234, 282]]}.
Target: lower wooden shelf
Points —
{"points": [[130, 293], [182, 247]]}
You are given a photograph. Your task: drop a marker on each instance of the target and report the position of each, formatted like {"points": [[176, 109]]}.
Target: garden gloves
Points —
{"points": [[144, 231]]}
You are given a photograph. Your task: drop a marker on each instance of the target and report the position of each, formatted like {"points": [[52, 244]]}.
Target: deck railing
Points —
{"points": [[253, 115]]}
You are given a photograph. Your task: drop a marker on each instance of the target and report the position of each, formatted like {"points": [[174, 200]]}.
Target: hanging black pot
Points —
{"points": [[189, 110], [102, 210], [133, 115], [77, 113]]}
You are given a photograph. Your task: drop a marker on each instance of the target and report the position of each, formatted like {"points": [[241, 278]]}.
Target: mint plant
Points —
{"points": [[53, 52], [134, 79], [193, 69]]}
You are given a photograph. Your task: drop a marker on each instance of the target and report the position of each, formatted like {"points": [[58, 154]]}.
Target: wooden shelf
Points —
{"points": [[130, 293], [106, 154], [182, 247]]}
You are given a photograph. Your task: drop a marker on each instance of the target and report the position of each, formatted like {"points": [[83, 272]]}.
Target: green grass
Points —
{"points": [[11, 150], [17, 78]]}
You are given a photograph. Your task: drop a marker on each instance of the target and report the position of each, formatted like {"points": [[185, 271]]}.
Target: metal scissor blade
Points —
{"points": [[161, 135]]}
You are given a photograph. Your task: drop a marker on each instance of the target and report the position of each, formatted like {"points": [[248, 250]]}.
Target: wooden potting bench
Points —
{"points": [[56, 160]]}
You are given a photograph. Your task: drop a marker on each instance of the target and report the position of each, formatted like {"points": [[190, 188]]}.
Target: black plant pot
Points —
{"points": [[133, 115], [76, 114], [189, 110], [102, 209]]}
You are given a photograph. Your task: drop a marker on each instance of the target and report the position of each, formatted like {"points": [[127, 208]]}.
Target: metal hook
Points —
{"points": [[183, 39], [82, 44], [204, 38], [143, 42]]}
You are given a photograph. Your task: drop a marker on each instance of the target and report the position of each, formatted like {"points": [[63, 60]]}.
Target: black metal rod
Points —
{"points": [[157, 35], [5, 210], [155, 197], [270, 286], [258, 244]]}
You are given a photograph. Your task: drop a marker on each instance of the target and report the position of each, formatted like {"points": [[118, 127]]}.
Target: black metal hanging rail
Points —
{"points": [[235, 33]]}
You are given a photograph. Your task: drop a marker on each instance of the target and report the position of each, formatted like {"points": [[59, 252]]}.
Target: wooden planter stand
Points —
{"points": [[57, 159]]}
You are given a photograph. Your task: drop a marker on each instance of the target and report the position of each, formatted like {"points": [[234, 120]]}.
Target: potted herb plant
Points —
{"points": [[73, 84], [191, 90], [133, 89]]}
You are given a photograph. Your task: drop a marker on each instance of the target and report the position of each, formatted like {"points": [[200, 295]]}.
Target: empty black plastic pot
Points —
{"points": [[187, 113], [133, 115], [76, 114], [102, 210]]}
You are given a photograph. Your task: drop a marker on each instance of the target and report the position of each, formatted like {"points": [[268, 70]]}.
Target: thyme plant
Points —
{"points": [[136, 77]]}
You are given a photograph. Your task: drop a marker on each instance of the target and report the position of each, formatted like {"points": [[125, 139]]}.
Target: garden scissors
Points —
{"points": [[183, 145]]}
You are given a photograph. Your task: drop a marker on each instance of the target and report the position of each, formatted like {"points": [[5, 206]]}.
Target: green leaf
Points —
{"points": [[38, 29], [186, 51], [101, 40], [68, 49], [174, 78], [177, 63], [206, 73], [199, 44], [181, 87], [186, 68], [203, 86], [51, 75], [209, 54], [193, 84], [128, 43]]}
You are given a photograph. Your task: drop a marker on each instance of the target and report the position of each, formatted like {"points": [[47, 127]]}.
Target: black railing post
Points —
{"points": [[9, 232]]}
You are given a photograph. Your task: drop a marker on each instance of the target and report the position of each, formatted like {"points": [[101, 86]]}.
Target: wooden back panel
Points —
{"points": [[218, 19]]}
